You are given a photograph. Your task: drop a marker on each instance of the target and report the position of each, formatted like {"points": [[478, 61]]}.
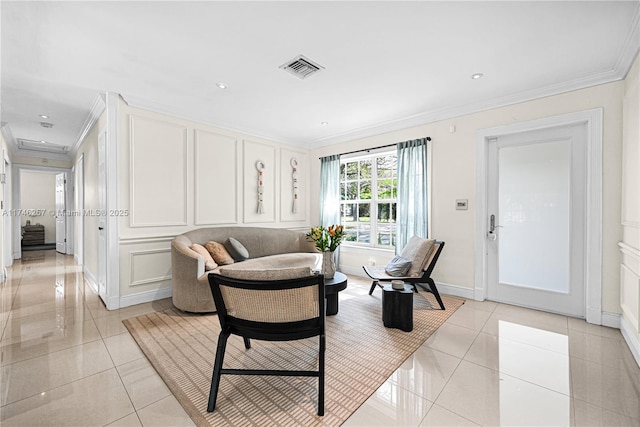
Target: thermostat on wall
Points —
{"points": [[461, 204]]}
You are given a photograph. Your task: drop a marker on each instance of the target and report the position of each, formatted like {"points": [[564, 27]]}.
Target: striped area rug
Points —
{"points": [[361, 354]]}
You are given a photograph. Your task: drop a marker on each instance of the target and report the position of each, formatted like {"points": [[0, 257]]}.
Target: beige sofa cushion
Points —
{"points": [[219, 253], [417, 251], [209, 263], [266, 274]]}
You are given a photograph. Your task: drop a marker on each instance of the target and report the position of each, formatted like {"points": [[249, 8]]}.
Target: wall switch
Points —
{"points": [[462, 204]]}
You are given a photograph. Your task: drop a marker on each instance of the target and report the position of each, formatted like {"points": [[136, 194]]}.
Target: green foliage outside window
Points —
{"points": [[368, 191]]}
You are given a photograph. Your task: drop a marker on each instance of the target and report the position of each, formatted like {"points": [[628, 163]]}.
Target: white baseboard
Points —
{"points": [[91, 280], [611, 320], [631, 337], [353, 271], [455, 290], [146, 296]]}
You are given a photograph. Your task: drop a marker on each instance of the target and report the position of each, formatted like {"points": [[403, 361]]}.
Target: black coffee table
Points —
{"points": [[331, 289]]}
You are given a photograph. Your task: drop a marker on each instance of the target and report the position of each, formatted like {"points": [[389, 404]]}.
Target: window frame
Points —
{"points": [[374, 201]]}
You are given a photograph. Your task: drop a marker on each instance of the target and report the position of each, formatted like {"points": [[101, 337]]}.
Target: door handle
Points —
{"points": [[100, 228], [492, 224]]}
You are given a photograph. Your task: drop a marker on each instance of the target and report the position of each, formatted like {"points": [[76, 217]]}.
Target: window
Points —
{"points": [[368, 191]]}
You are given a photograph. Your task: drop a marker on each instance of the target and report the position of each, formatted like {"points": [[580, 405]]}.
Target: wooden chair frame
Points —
{"points": [[269, 331], [424, 281]]}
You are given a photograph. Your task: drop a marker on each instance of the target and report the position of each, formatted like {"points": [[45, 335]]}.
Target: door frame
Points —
{"points": [[7, 222], [78, 203], [593, 259], [17, 202]]}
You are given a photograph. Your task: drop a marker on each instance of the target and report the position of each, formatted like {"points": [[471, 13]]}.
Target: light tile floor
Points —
{"points": [[66, 360]]}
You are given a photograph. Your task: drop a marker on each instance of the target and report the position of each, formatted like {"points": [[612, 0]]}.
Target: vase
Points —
{"points": [[328, 265]]}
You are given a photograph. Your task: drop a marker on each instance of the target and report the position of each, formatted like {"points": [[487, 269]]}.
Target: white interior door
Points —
{"points": [[102, 218], [61, 216], [536, 230]]}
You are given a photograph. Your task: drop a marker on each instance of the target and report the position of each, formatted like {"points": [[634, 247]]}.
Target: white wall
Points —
{"points": [[630, 218], [38, 192], [175, 175], [453, 177]]}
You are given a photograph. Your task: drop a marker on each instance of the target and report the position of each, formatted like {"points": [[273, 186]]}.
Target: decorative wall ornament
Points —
{"points": [[260, 167], [294, 175]]}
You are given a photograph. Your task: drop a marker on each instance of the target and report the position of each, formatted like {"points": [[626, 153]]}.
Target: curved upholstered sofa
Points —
{"points": [[269, 249]]}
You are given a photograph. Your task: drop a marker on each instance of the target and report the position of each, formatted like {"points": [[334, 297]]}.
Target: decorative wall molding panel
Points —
{"points": [[215, 178], [158, 167], [143, 266], [630, 296]]}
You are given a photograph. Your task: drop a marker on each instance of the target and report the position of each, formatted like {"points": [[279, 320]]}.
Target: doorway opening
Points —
{"points": [[40, 215]]}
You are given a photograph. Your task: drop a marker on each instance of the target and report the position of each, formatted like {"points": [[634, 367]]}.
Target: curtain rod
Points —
{"points": [[374, 148]]}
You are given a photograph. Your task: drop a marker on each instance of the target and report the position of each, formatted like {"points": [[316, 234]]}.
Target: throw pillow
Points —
{"points": [[219, 253], [209, 263], [236, 249], [267, 274], [398, 266], [417, 250]]}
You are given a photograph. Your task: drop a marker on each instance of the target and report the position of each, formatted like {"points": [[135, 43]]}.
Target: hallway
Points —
{"points": [[66, 360]]}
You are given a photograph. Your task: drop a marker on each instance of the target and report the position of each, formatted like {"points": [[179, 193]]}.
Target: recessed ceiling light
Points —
{"points": [[44, 116], [221, 85], [476, 76], [324, 123]]}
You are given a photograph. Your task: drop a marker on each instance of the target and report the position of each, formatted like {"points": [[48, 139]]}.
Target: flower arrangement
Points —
{"points": [[326, 239]]}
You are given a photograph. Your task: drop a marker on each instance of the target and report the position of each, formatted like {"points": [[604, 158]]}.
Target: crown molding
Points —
{"points": [[631, 46], [97, 108], [158, 108], [462, 110], [9, 138]]}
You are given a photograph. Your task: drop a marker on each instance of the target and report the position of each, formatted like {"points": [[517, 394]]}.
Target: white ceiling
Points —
{"points": [[388, 65]]}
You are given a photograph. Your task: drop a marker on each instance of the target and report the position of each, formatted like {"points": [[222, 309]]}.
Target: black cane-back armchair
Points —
{"points": [[272, 310]]}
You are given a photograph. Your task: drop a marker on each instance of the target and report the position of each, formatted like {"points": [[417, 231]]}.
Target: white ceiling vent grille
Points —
{"points": [[301, 67]]}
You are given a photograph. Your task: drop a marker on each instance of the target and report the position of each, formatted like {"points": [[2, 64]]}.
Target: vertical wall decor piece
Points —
{"points": [[294, 177], [294, 174], [260, 167], [260, 159]]}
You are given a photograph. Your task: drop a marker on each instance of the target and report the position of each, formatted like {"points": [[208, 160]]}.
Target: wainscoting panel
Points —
{"points": [[158, 170], [145, 265], [216, 181], [630, 286], [293, 205], [257, 153]]}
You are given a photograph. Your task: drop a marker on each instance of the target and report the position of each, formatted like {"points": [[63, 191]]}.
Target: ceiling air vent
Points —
{"points": [[301, 67], [45, 147]]}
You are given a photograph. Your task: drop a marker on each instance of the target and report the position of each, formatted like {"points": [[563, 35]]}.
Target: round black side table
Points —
{"points": [[331, 288]]}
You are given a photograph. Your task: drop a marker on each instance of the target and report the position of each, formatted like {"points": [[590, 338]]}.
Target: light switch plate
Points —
{"points": [[462, 204]]}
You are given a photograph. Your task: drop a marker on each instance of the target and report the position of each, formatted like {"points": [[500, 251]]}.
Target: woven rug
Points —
{"points": [[360, 355]]}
